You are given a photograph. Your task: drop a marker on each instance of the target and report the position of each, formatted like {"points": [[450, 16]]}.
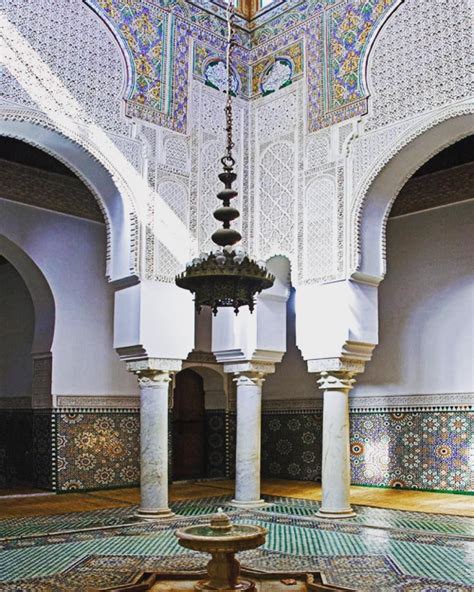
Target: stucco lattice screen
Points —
{"points": [[176, 153], [50, 51], [421, 60], [317, 151], [276, 118], [175, 196], [320, 232], [276, 201]]}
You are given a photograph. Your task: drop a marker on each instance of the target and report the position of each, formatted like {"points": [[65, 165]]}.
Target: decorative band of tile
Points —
{"points": [[95, 410], [412, 409], [413, 403], [285, 405], [102, 402]]}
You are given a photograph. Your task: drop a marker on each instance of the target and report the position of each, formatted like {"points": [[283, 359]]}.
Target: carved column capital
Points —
{"points": [[250, 367], [249, 378], [338, 381], [153, 372], [153, 378], [154, 365]]}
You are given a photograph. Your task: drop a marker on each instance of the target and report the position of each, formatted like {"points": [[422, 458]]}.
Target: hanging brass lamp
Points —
{"points": [[227, 276]]}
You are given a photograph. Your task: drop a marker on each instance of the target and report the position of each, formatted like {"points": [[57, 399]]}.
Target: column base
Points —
{"points": [[349, 513], [248, 505], [152, 515]]}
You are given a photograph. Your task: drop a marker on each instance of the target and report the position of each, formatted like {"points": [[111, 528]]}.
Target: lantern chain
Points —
{"points": [[228, 160]]}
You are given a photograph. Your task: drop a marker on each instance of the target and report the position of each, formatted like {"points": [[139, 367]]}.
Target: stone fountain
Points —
{"points": [[222, 540]]}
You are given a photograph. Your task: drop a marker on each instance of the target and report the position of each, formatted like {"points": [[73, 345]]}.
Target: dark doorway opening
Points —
{"points": [[17, 319], [189, 427]]}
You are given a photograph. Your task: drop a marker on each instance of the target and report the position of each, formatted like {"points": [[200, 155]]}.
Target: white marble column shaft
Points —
{"points": [[154, 387], [336, 470], [249, 428]]}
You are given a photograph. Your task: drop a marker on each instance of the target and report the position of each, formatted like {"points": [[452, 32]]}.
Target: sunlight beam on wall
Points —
{"points": [[55, 100]]}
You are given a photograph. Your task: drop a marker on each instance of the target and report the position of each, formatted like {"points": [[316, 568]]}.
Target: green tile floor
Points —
{"points": [[387, 550]]}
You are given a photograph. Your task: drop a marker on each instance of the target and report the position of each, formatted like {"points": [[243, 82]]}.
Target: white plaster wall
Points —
{"points": [[16, 334], [426, 306], [291, 379], [71, 254]]}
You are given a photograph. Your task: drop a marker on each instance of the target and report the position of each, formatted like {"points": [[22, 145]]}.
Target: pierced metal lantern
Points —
{"points": [[227, 276]]}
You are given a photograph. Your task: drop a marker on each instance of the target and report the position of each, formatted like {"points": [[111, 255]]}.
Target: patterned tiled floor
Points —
{"points": [[379, 550]]}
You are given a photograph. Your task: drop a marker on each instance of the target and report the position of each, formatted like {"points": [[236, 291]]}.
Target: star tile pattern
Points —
{"points": [[379, 549], [100, 449]]}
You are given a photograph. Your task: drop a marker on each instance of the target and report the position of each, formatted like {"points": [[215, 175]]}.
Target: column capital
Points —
{"points": [[336, 365], [249, 378], [153, 378], [337, 381], [154, 365], [250, 367]]}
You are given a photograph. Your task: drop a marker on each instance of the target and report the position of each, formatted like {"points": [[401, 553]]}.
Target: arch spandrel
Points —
{"points": [[372, 203], [87, 161], [416, 103]]}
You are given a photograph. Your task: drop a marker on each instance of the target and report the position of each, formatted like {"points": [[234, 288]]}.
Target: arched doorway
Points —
{"points": [[17, 320], [27, 319], [52, 232], [189, 427], [422, 367], [117, 208]]}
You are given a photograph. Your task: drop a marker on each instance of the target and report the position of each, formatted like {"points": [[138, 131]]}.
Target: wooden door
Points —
{"points": [[189, 427]]}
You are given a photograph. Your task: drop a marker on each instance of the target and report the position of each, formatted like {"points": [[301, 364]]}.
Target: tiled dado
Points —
{"points": [[416, 450], [391, 448], [71, 449], [100, 448], [26, 448], [410, 449], [97, 449], [291, 445]]}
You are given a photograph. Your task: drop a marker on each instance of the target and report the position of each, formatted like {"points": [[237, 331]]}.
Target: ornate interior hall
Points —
{"points": [[338, 414]]}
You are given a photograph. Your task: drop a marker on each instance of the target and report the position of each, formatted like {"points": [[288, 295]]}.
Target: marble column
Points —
{"points": [[154, 387], [336, 469], [249, 428]]}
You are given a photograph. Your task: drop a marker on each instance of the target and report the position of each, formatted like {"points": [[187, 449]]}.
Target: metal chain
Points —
{"points": [[228, 160]]}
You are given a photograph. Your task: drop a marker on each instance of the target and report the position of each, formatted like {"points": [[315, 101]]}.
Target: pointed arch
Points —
{"points": [[374, 200]]}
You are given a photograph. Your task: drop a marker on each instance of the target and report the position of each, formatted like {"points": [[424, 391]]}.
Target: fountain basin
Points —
{"points": [[222, 540], [203, 538]]}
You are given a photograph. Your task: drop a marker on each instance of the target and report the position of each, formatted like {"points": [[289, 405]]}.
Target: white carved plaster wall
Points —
{"points": [[43, 85], [121, 222], [417, 78], [207, 142], [276, 146], [152, 168], [408, 122], [372, 204]]}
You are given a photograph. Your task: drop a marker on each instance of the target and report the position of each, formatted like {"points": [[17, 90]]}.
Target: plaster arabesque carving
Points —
{"points": [[411, 92], [275, 124]]}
